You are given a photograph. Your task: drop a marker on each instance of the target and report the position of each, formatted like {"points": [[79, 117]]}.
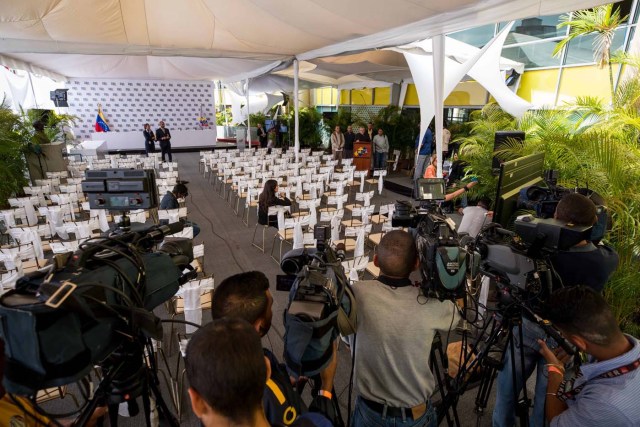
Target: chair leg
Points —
{"points": [[237, 208], [264, 228], [245, 213], [273, 246]]}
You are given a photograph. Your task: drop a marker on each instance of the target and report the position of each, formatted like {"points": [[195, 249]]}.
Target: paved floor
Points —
{"points": [[228, 251]]}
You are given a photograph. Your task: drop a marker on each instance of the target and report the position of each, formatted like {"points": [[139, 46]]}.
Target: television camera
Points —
{"points": [[516, 256], [94, 307], [452, 266], [321, 304], [443, 262], [543, 200]]}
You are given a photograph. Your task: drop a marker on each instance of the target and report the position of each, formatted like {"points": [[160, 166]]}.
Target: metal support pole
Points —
{"points": [[296, 100]]}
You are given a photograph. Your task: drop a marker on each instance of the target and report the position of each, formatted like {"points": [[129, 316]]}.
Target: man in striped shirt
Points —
{"points": [[603, 391]]}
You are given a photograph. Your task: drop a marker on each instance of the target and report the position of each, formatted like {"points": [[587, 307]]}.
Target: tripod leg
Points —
{"points": [[113, 415], [146, 404], [161, 405], [336, 404], [484, 389], [522, 406], [446, 403]]}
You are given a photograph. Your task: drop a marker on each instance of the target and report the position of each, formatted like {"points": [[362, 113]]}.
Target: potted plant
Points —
{"points": [[44, 140], [12, 161]]}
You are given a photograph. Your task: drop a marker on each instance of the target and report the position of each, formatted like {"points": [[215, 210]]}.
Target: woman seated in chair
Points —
{"points": [[270, 197]]}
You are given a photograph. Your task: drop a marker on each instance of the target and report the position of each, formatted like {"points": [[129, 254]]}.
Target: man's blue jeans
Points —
{"points": [[506, 396], [379, 160], [363, 416]]}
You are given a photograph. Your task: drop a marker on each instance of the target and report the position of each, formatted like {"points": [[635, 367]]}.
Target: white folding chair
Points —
{"points": [[286, 232]]}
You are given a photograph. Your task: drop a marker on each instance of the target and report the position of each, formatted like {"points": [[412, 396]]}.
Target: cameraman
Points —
{"points": [[395, 329], [170, 201], [247, 296], [226, 370], [584, 263], [475, 217], [604, 392]]}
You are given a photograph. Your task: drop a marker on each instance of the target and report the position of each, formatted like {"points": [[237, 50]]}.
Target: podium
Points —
{"points": [[362, 155]]}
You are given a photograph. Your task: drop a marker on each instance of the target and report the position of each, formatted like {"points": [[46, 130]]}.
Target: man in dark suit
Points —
{"points": [[164, 137], [262, 136], [349, 138]]}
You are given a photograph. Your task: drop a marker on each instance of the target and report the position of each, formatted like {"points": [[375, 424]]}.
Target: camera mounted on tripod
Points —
{"points": [[443, 262], [321, 304], [95, 306]]}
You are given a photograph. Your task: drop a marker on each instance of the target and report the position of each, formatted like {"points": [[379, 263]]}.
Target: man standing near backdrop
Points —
{"points": [[337, 145], [380, 150], [370, 132], [262, 136], [164, 137], [349, 138]]}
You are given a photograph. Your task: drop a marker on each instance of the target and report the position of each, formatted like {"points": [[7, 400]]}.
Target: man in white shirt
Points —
{"points": [[475, 217]]}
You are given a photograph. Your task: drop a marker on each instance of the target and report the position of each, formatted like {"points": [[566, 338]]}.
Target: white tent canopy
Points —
{"points": [[229, 40], [241, 39]]}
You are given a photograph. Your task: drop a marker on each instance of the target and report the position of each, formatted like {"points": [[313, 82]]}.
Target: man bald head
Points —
{"points": [[396, 255]]}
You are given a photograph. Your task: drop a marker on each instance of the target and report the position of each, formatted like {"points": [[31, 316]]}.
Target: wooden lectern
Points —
{"points": [[362, 155]]}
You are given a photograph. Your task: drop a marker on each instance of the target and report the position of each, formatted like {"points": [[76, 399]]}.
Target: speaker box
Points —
{"points": [[500, 140]]}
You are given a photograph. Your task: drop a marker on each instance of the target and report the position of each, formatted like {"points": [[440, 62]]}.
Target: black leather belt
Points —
{"points": [[391, 412]]}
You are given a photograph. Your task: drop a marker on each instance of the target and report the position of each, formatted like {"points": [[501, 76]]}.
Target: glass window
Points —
{"points": [[478, 36], [535, 55], [580, 50], [531, 29]]}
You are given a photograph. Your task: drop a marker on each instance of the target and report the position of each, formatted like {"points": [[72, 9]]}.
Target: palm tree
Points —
{"points": [[601, 21]]}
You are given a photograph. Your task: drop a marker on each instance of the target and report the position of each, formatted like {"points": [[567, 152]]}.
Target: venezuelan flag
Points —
{"points": [[101, 122]]}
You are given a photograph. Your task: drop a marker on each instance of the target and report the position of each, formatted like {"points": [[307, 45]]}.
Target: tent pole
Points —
{"points": [[248, 117], [296, 108], [438, 81], [35, 100]]}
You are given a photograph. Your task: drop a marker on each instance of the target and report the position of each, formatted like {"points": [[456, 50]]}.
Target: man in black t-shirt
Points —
{"points": [[585, 263], [362, 136], [227, 370], [247, 296]]}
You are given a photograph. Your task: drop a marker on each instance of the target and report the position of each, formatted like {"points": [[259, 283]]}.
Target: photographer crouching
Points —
{"points": [[583, 264], [247, 296], [604, 390], [227, 370]]}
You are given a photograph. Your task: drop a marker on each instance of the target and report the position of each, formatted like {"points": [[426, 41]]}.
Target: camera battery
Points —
{"points": [[310, 309]]}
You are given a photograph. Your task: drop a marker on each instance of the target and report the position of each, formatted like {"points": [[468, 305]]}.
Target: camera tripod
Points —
{"points": [[488, 355], [125, 380]]}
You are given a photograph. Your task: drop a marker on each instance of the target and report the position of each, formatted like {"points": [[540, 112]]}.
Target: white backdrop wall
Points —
{"points": [[129, 104]]}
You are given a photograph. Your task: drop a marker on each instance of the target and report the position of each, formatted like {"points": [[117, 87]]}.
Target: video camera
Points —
{"points": [[443, 262], [94, 306], [519, 261], [58, 324], [321, 304], [543, 200]]}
